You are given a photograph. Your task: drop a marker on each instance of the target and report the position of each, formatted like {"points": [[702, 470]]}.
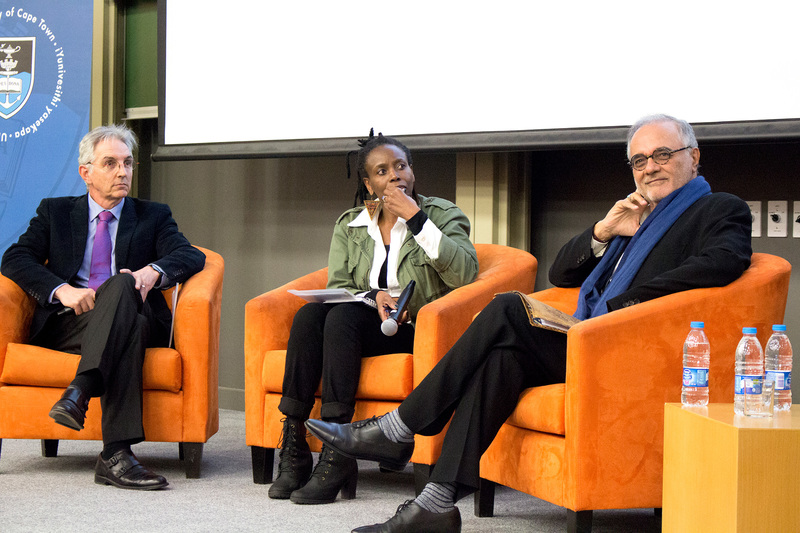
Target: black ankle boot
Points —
{"points": [[334, 472], [295, 463]]}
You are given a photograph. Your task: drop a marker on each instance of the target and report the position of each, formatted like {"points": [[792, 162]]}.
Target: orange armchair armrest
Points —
{"points": [[441, 322], [267, 323], [197, 322], [16, 312]]}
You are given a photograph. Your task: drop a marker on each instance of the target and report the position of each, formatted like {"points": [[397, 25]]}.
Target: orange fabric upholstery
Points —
{"points": [[385, 380], [595, 442], [181, 398]]}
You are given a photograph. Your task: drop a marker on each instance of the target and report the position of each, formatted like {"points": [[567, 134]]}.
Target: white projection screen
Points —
{"points": [[249, 78]]}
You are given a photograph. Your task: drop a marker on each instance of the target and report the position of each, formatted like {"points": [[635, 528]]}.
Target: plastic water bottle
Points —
{"points": [[696, 359], [778, 366], [749, 369]]}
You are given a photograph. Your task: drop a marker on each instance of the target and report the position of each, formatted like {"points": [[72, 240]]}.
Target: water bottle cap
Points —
{"points": [[749, 331], [698, 325], [779, 327]]}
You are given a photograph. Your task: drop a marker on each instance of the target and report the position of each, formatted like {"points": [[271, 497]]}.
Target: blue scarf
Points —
{"points": [[591, 301]]}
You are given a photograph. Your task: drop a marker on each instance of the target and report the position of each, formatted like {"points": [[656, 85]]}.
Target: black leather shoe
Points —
{"points": [[334, 472], [363, 440], [123, 470], [412, 518], [70, 410]]}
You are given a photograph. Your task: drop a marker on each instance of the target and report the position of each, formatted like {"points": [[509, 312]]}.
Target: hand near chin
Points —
{"points": [[624, 218], [398, 203]]}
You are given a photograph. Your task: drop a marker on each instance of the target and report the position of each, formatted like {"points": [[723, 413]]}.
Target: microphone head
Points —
{"points": [[389, 327]]}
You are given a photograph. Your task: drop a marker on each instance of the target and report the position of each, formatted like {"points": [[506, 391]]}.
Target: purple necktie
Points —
{"points": [[100, 269]]}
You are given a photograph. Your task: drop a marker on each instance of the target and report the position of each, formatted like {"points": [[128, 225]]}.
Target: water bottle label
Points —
{"points": [[782, 379], [695, 377], [747, 384], [753, 384]]}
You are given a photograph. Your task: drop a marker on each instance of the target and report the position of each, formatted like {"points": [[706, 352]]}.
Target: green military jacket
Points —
{"points": [[352, 250]]}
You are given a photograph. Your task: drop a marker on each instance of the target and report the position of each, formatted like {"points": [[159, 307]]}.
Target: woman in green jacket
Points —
{"points": [[378, 247]]}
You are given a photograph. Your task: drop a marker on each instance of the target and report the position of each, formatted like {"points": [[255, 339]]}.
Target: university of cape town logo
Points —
{"points": [[16, 73]]}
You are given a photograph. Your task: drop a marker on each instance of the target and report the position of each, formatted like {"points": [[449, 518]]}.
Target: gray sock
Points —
{"points": [[394, 428], [437, 497]]}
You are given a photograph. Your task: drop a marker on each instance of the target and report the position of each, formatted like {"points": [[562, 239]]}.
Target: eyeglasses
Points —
{"points": [[109, 164], [660, 156]]}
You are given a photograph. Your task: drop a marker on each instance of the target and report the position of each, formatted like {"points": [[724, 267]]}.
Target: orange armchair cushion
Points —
{"points": [[24, 363], [540, 409], [386, 377]]}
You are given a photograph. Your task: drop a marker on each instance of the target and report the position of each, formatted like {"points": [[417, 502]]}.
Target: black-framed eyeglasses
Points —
{"points": [[660, 156]]}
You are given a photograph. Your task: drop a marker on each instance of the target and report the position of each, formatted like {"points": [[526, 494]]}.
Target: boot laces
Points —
{"points": [[323, 466], [288, 446]]}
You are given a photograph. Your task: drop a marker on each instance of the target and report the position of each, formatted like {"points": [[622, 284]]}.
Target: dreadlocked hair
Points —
{"points": [[365, 147]]}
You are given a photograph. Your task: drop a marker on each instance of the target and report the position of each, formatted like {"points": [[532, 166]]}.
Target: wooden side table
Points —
{"points": [[726, 472]]}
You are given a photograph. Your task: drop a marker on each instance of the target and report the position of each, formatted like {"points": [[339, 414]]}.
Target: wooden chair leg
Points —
{"points": [[263, 459], [579, 521], [484, 499], [49, 448], [191, 453], [422, 473]]}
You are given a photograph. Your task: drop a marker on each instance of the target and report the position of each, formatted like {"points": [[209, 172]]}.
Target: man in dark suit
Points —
{"points": [[91, 263], [671, 234]]}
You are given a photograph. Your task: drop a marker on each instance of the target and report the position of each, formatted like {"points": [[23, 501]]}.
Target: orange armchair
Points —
{"points": [[180, 385], [385, 380], [596, 441]]}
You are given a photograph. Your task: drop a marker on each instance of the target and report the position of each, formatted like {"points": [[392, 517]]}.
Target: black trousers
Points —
{"points": [[111, 339], [327, 342], [478, 383]]}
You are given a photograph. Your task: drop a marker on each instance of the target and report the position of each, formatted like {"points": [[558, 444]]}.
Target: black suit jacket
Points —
{"points": [[51, 250], [708, 246]]}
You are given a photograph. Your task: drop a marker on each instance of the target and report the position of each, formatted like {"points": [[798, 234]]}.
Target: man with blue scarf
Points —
{"points": [[671, 234]]}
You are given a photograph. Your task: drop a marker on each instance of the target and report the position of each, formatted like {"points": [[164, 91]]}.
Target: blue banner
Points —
{"points": [[45, 97]]}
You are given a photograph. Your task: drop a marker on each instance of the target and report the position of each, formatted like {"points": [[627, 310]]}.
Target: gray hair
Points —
{"points": [[686, 131], [90, 141]]}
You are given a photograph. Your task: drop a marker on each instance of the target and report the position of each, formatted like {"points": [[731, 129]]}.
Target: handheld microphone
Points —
{"points": [[389, 326]]}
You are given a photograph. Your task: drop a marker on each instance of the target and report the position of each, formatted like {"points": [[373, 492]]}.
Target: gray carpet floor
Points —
{"points": [[59, 495]]}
